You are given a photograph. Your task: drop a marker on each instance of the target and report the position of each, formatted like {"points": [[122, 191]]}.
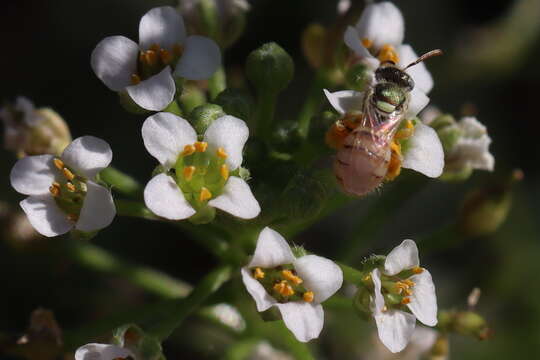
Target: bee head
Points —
{"points": [[392, 74], [389, 96]]}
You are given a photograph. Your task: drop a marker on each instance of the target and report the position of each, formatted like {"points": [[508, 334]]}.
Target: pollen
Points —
{"points": [[366, 42], [406, 132], [284, 288], [70, 187], [54, 189], [165, 56], [406, 300], [200, 146], [409, 283], [68, 174], [258, 273], [205, 194], [188, 172], [221, 153], [308, 296], [135, 79], [188, 150], [224, 171], [288, 275], [417, 270], [59, 164], [388, 54], [394, 167]]}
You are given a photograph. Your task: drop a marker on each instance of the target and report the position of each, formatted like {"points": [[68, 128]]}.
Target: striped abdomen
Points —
{"points": [[361, 164]]}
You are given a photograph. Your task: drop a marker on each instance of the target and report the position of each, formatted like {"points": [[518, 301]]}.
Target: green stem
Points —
{"points": [[183, 307], [133, 209], [217, 83], [350, 274], [312, 103], [264, 113], [121, 182]]}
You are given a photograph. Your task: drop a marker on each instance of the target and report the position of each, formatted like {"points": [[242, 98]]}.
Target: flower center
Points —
{"points": [[387, 53], [398, 289], [283, 284], [68, 191], [155, 59]]}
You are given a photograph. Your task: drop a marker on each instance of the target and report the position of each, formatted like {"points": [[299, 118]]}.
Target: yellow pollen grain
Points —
{"points": [[200, 146], [284, 288], [417, 270], [367, 277], [406, 300], [388, 54], [258, 273], [224, 171], [409, 283], [205, 194], [288, 275], [165, 56], [68, 174], [221, 153], [308, 296], [366, 42], [70, 187], [54, 189], [188, 172], [59, 164], [135, 79], [188, 150]]}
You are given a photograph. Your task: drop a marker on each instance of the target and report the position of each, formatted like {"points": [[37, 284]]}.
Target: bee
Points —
{"points": [[367, 152]]}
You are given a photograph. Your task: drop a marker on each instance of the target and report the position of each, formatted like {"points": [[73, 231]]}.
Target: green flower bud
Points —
{"points": [[270, 68], [304, 196], [362, 303], [285, 138], [129, 105], [467, 323], [313, 44], [235, 102], [192, 97], [358, 77], [132, 337], [202, 116]]}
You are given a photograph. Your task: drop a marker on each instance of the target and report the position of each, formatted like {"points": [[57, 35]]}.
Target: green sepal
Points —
{"points": [[79, 235], [129, 105], [271, 314], [204, 215], [202, 116], [235, 102], [373, 262], [362, 303]]}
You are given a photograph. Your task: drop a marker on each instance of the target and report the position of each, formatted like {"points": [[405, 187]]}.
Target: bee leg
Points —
{"points": [[335, 136], [405, 132], [394, 167]]}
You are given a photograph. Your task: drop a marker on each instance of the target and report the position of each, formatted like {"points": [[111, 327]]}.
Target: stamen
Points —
{"points": [[150, 57], [388, 54], [59, 164], [367, 277], [155, 47], [258, 273], [201, 146], [188, 150], [287, 274], [409, 283], [68, 174], [73, 217], [135, 79], [224, 171], [367, 43], [417, 270], [284, 288], [70, 187], [54, 189], [177, 49], [406, 300], [165, 56], [205, 194], [221, 153], [308, 296], [188, 172]]}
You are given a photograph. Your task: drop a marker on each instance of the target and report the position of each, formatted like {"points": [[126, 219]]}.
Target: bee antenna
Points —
{"points": [[426, 56]]}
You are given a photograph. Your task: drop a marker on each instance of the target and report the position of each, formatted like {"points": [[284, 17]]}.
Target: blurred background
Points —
{"points": [[490, 68]]}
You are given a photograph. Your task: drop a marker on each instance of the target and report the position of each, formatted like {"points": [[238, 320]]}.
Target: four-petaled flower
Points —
{"points": [[399, 286], [144, 70], [96, 351], [296, 286], [62, 190], [199, 175]]}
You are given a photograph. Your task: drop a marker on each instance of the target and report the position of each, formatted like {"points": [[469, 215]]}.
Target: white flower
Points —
{"points": [[145, 70], [264, 351], [424, 151], [198, 173], [62, 191], [402, 279], [296, 286], [420, 344], [229, 316], [95, 351]]}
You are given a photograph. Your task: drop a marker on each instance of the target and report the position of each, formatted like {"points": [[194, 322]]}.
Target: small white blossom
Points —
{"points": [[421, 343], [197, 172], [62, 190], [229, 316], [96, 351], [264, 351], [296, 286], [402, 276], [424, 152], [145, 70]]}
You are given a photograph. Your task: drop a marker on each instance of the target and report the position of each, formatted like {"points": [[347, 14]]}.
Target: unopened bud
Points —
{"points": [[362, 303], [235, 102], [471, 324], [192, 97], [303, 197], [313, 44], [358, 77], [204, 115], [270, 68]]}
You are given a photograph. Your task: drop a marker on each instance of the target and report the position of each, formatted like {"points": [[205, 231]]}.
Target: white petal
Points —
{"points": [[200, 60], [33, 175], [382, 23], [353, 41], [163, 26], [305, 320], [45, 216], [320, 275], [154, 93], [98, 210], [346, 100], [417, 101], [425, 153], [272, 250], [419, 72], [377, 300], [402, 257], [237, 199], [87, 156], [231, 134], [164, 198], [424, 300], [262, 299], [395, 329], [114, 60], [26, 107], [165, 135], [101, 352], [423, 339]]}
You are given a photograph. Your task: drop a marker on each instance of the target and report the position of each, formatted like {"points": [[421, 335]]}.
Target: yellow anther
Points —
{"points": [[367, 43], [177, 49], [384, 309], [288, 275], [258, 273], [308, 296], [68, 174], [59, 164], [388, 54], [200, 146], [135, 79], [54, 189], [409, 283], [155, 47], [417, 270], [221, 153], [188, 150], [205, 194], [406, 132], [165, 56], [367, 277], [150, 57], [70, 187], [188, 172], [406, 300], [224, 171], [73, 217], [284, 288]]}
